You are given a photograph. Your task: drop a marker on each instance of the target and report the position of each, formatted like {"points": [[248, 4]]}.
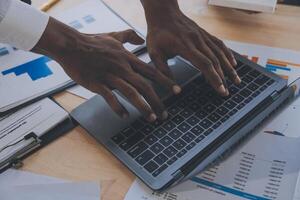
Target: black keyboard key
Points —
{"points": [[118, 138], [169, 125], [128, 132], [209, 131], [179, 144], [230, 104], [160, 132], [177, 119], [157, 123], [171, 161], [241, 85], [182, 103], [222, 111], [192, 121], [247, 79], [245, 93], [175, 134], [238, 98], [270, 82], [186, 113], [160, 159], [151, 166], [233, 90], [243, 70], [225, 118], [201, 114], [205, 123], [209, 108], [173, 110], [255, 94], [188, 137], [157, 148], [252, 86], [216, 125], [197, 130], [131, 141], [166, 141], [254, 73], [160, 170], [199, 139], [263, 88], [184, 127], [202, 100], [170, 151], [240, 106], [146, 130], [217, 101], [151, 139], [262, 79], [232, 112], [181, 153], [248, 100], [194, 106], [144, 157], [214, 117], [137, 149], [190, 146], [137, 124]]}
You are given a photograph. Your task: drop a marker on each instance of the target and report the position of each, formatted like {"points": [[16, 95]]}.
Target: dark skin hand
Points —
{"points": [[171, 33], [100, 63]]}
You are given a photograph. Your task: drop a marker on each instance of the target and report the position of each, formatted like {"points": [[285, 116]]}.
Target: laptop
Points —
{"points": [[201, 127]]}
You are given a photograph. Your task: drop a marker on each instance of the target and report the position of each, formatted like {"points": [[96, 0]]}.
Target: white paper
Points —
{"points": [[265, 166]]}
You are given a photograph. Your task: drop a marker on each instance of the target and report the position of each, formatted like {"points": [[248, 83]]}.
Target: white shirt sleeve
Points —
{"points": [[21, 25]]}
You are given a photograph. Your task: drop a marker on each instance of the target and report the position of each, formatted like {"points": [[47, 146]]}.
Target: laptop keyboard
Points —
{"points": [[193, 115]]}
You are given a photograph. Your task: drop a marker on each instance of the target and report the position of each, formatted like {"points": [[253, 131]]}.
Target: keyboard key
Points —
{"points": [[179, 144], [157, 148], [157, 123], [197, 130], [160, 159], [184, 127], [181, 153], [202, 100], [209, 131], [192, 121], [225, 118], [186, 113], [166, 141], [137, 124], [188, 137], [263, 88], [247, 79], [201, 114], [248, 100], [177, 119], [270, 82], [252, 86], [205, 123], [217, 101], [118, 138], [169, 125], [199, 139], [131, 141], [147, 129], [170, 151], [173, 110], [128, 132], [171, 161], [190, 146], [160, 132], [255, 94], [209, 108], [160, 170], [243, 70], [230, 104], [194, 106], [232, 112], [214, 117], [151, 139], [222, 111], [151, 166], [241, 85], [254, 73], [137, 149], [233, 90], [245, 93], [144, 157], [240, 106], [262, 79], [182, 103], [238, 98], [216, 125], [175, 134]]}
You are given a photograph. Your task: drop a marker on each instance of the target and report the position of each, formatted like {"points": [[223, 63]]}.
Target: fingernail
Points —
{"points": [[222, 90], [152, 117], [176, 89], [238, 80], [164, 115], [125, 115]]}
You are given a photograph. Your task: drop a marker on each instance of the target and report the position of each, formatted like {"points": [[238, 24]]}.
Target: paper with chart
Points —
{"points": [[265, 167]]}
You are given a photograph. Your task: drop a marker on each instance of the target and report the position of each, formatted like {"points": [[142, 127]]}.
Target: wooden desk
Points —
{"points": [[77, 156]]}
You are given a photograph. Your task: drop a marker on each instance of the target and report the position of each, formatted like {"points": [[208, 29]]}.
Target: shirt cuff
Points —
{"points": [[22, 26]]}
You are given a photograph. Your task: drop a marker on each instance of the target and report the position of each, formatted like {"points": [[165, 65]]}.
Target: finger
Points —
{"points": [[148, 93], [128, 36], [155, 75], [161, 63], [111, 99], [206, 67], [227, 66], [132, 95]]}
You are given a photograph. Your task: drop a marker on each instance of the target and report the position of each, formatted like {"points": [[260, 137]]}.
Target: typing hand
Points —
{"points": [[101, 64], [171, 33]]}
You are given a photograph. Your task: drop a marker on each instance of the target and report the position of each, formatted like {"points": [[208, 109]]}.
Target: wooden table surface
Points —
{"points": [[77, 156]]}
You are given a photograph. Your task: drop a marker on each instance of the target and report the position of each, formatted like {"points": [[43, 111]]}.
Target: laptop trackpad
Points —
{"points": [[102, 123]]}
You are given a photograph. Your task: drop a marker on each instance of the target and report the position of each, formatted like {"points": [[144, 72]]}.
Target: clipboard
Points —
{"points": [[36, 143]]}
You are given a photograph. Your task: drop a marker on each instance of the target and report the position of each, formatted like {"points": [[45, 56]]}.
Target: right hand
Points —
{"points": [[100, 63]]}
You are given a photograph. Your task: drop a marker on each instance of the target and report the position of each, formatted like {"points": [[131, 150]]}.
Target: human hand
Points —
{"points": [[100, 63], [171, 33]]}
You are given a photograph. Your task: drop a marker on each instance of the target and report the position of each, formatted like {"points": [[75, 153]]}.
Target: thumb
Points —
{"points": [[128, 36]]}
